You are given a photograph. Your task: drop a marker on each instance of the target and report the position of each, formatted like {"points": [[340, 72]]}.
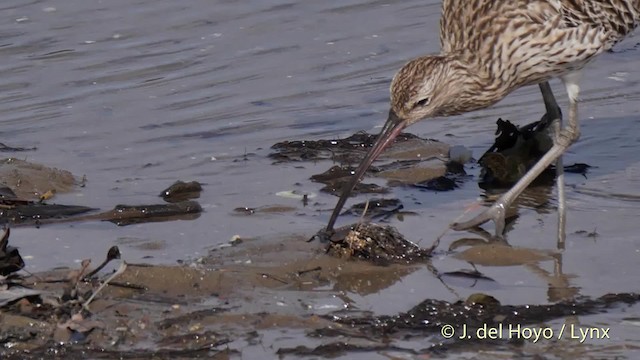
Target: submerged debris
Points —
{"points": [[441, 183], [22, 212], [431, 317], [7, 148], [337, 176], [30, 212], [375, 207], [26, 187], [515, 151], [267, 209], [577, 168], [348, 150], [409, 160], [181, 191], [128, 214], [10, 259]]}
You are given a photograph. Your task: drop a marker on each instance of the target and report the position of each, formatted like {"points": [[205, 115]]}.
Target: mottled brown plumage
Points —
{"points": [[489, 49]]}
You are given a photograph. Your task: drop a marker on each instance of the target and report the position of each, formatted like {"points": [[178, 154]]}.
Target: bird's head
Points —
{"points": [[429, 86], [425, 87]]}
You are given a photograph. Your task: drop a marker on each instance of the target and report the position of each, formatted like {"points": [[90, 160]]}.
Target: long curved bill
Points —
{"points": [[389, 132]]}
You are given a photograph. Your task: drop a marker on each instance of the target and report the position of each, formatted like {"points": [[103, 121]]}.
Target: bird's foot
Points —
{"points": [[496, 213]]}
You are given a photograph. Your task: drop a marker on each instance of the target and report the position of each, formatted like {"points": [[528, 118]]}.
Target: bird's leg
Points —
{"points": [[553, 114], [550, 103], [562, 202], [561, 142]]}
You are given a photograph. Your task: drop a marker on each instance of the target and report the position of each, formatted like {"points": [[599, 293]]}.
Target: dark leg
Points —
{"points": [[553, 114]]}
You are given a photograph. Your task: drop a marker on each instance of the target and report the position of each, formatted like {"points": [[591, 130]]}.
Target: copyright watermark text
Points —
{"points": [[516, 331]]}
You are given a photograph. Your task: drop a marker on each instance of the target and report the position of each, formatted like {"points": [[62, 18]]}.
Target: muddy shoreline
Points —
{"points": [[128, 102], [218, 305]]}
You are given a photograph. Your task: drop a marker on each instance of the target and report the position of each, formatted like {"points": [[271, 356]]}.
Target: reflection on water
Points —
{"points": [[136, 95]]}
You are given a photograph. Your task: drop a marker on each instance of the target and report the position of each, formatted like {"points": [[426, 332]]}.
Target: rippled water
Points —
{"points": [[138, 94]]}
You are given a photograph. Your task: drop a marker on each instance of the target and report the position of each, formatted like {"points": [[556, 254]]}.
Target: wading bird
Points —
{"points": [[489, 49]]}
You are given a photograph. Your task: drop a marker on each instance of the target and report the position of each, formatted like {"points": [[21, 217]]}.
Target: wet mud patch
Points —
{"points": [[431, 165], [380, 210], [428, 318], [267, 209], [171, 309], [348, 150], [409, 160], [61, 305], [215, 305], [89, 311], [196, 309], [427, 163], [218, 305], [31, 181], [27, 189]]}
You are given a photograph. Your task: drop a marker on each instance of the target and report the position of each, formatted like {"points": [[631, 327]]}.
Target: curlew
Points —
{"points": [[489, 49]]}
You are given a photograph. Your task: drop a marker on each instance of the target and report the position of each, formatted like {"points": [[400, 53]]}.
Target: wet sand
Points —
{"points": [[135, 99]]}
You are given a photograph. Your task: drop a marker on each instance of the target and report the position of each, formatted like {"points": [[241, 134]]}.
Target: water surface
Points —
{"points": [[136, 95]]}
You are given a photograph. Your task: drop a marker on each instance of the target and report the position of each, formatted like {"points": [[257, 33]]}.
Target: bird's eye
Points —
{"points": [[423, 102]]}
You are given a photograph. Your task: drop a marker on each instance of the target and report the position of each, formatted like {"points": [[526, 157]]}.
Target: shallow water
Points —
{"points": [[136, 95]]}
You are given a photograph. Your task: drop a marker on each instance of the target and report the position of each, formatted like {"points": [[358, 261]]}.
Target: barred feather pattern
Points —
{"points": [[492, 47], [520, 42]]}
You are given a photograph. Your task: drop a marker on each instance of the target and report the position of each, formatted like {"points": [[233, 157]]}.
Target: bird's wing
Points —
{"points": [[464, 22], [519, 41], [457, 17], [615, 17]]}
